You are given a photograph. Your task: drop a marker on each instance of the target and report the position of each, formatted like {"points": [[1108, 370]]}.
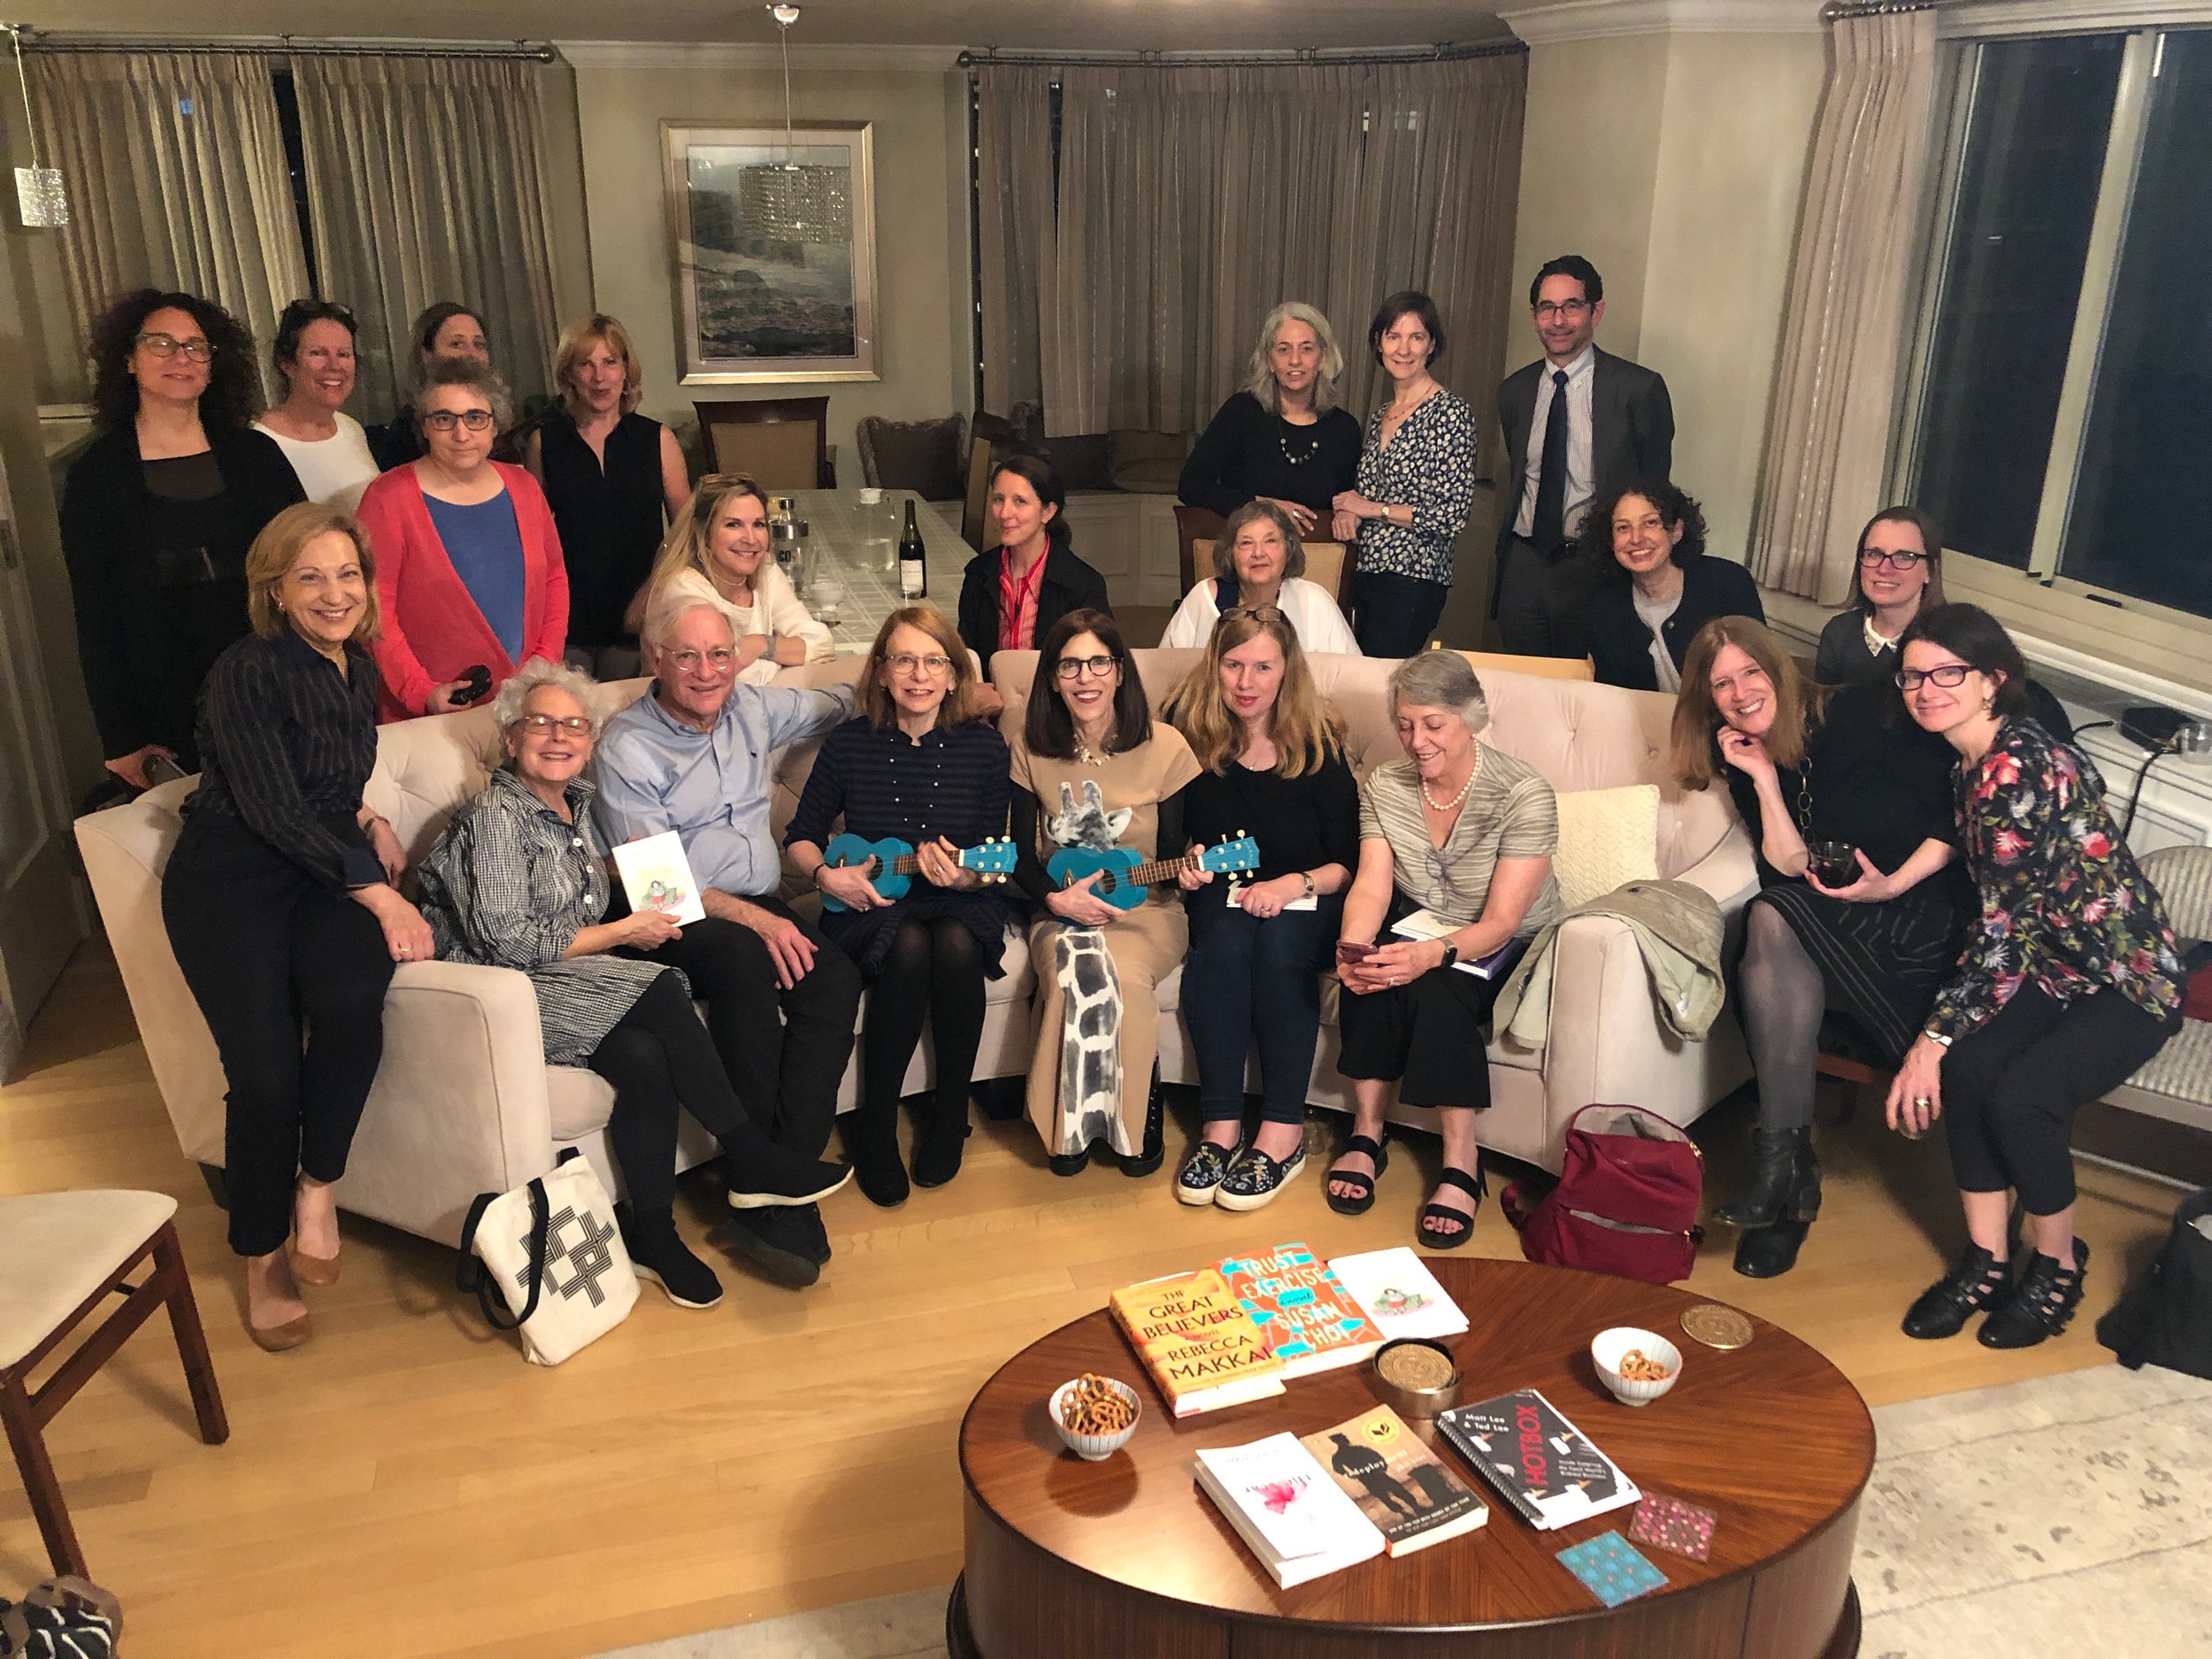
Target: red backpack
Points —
{"points": [[1626, 1201]]}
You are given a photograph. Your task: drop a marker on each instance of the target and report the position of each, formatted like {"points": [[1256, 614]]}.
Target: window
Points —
{"points": [[2063, 410]]}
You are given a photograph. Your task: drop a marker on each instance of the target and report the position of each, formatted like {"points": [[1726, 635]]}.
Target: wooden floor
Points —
{"points": [[406, 1484]]}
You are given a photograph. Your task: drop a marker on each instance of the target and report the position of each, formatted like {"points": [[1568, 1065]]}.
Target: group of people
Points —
{"points": [[253, 600]]}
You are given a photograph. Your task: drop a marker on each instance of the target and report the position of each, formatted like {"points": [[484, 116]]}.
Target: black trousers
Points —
{"points": [[660, 1060], [1543, 604], [266, 950], [934, 969], [1427, 1037], [1393, 615], [2012, 1086], [785, 1051]]}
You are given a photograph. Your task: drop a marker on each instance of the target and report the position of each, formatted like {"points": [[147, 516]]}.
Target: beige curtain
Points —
{"points": [[425, 181], [1843, 334], [1190, 201], [177, 180]]}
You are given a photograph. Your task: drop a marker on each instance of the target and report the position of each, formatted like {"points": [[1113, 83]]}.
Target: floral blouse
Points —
{"points": [[2064, 908], [1430, 466]]}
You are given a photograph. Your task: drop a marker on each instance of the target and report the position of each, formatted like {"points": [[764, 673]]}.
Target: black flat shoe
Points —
{"points": [[1977, 1283], [2042, 1303], [1255, 1178], [1436, 1217], [937, 1153], [766, 1242], [1363, 1201], [1770, 1252], [875, 1165], [1068, 1162], [1201, 1175]]}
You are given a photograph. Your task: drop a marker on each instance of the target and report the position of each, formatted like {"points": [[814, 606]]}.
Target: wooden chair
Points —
{"points": [[923, 455], [62, 1255], [1327, 567], [1542, 667], [1193, 525], [976, 527], [781, 442]]}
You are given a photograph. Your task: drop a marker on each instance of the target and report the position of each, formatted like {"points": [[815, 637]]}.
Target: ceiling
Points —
{"points": [[1061, 24]]}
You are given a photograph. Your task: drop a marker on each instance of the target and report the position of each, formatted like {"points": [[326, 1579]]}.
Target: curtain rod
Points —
{"points": [[1443, 52], [1836, 11], [280, 46]]}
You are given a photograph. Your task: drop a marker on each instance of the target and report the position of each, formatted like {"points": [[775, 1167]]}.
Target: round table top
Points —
{"points": [[1772, 1437]]}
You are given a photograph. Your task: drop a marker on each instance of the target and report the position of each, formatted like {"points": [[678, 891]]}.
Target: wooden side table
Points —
{"points": [[1069, 1560]]}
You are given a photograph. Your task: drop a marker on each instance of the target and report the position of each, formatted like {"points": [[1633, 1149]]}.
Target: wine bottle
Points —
{"points": [[913, 563]]}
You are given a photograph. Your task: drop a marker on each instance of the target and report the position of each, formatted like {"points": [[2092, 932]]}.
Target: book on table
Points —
{"points": [[1406, 1491], [1288, 1509], [1398, 1293], [657, 876], [1538, 1461], [1429, 925], [1308, 1318], [1197, 1343]]}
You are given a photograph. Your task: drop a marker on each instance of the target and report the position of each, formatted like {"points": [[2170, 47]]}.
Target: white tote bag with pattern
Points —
{"points": [[552, 1249]]}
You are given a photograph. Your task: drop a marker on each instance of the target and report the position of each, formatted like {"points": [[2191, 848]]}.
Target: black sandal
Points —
{"points": [[1433, 1235], [1363, 1201]]}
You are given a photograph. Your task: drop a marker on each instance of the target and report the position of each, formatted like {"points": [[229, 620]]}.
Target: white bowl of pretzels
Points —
{"points": [[1095, 1415], [1637, 1365]]}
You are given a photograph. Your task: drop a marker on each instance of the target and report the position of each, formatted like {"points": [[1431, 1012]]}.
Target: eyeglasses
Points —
{"points": [[1551, 310], [1258, 613], [569, 724], [1075, 667], [197, 349], [1870, 557], [445, 420], [907, 663], [719, 660], [1950, 676]]}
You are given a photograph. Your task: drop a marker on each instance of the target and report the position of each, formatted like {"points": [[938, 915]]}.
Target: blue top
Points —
{"points": [[485, 545], [656, 773]]}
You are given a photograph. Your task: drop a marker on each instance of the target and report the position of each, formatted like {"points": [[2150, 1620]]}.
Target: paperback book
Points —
{"points": [[1540, 1462], [1429, 925], [1194, 1336], [1287, 1509], [1402, 1487], [1309, 1320], [1398, 1293], [657, 876]]}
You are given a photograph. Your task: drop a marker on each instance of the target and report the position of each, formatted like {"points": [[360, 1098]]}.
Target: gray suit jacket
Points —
{"points": [[1631, 435]]}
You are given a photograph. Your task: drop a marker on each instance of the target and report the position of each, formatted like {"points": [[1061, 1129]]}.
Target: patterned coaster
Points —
{"points": [[1717, 1327], [1610, 1568], [1673, 1525]]}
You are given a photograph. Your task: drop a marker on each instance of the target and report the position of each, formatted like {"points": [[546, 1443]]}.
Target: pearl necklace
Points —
{"points": [[1452, 805]]}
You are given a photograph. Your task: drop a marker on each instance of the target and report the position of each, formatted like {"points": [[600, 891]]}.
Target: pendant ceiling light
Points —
{"points": [[784, 200], [39, 195]]}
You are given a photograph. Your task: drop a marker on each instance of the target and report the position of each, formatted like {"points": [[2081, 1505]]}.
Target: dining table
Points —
{"points": [[847, 568]]}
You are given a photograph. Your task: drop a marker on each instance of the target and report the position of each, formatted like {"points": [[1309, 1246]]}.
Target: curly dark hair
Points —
{"points": [[233, 391], [1676, 506]]}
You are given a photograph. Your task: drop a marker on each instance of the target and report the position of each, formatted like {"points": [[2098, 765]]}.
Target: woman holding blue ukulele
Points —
{"points": [[920, 767]]}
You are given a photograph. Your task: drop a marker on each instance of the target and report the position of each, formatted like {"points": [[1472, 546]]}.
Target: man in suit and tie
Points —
{"points": [[1578, 424]]}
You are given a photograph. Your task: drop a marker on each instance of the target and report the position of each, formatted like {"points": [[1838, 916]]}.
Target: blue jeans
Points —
{"points": [[1393, 615], [1248, 976]]}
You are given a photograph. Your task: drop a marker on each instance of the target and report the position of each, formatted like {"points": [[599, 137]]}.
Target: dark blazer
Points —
{"points": [[1068, 584], [1631, 435], [1620, 644]]}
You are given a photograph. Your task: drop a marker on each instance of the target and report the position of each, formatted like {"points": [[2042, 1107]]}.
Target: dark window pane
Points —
{"points": [[2027, 191], [2137, 526]]}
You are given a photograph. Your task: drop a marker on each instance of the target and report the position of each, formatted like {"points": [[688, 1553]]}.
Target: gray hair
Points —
{"points": [[1252, 513], [1440, 679], [1259, 375], [466, 372], [676, 598], [513, 700]]}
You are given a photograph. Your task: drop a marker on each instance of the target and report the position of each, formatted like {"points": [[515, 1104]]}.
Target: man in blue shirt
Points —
{"points": [[782, 1002]]}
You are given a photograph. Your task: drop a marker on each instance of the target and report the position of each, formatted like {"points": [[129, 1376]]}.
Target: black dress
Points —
{"points": [[609, 517], [1884, 788], [1249, 451]]}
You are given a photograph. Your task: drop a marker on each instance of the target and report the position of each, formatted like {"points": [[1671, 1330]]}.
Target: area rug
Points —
{"points": [[2060, 1517]]}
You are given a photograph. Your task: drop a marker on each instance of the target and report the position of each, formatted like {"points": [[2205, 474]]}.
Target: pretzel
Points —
{"points": [[1635, 1368], [1093, 1406]]}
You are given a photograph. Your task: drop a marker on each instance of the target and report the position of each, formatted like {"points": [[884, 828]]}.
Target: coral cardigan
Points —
{"points": [[433, 631]]}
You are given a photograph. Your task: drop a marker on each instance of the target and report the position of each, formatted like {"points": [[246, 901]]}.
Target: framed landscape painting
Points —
{"points": [[774, 251]]}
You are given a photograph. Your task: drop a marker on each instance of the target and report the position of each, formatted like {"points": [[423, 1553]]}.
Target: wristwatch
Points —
{"points": [[1305, 878], [1451, 954], [1937, 1038]]}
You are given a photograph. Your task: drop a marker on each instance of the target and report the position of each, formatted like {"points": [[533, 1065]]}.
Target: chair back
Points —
{"points": [[923, 455], [977, 528], [1540, 667], [782, 441], [1197, 529]]}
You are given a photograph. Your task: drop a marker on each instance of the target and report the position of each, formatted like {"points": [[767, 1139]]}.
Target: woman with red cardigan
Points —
{"points": [[468, 564]]}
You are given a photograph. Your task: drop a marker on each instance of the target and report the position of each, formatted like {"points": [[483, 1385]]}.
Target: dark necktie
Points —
{"points": [[1548, 523]]}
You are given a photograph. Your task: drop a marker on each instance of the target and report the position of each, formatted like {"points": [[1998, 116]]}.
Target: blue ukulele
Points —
{"points": [[892, 864], [1127, 876]]}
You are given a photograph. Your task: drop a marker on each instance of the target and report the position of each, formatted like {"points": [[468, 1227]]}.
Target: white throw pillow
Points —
{"points": [[1606, 839]]}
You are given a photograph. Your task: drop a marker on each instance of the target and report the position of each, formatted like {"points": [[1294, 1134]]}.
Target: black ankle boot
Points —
{"points": [[1980, 1281], [1785, 1182], [1148, 1156], [2041, 1303], [1770, 1252], [938, 1149], [872, 1143]]}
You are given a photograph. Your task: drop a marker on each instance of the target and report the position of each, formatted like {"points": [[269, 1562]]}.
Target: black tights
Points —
{"points": [[934, 969], [1784, 997], [659, 1055]]}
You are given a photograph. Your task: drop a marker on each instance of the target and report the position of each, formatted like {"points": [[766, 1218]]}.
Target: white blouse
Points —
{"points": [[777, 611], [1320, 627], [333, 470]]}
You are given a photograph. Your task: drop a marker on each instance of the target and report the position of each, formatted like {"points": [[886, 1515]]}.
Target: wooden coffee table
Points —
{"points": [[1069, 1560]]}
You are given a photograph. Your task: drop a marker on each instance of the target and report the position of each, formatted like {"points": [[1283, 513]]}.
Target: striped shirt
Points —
{"points": [[1510, 812], [287, 743]]}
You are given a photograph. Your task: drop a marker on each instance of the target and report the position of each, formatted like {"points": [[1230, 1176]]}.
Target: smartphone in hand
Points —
{"points": [[479, 687], [1350, 950]]}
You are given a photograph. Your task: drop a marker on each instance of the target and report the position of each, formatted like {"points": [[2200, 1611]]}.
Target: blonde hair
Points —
{"points": [[686, 547], [959, 706], [1307, 732], [1259, 374], [577, 341], [1696, 718], [280, 542]]}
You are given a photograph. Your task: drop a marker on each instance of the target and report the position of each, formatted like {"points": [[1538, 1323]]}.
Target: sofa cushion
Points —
{"points": [[1606, 839], [1150, 463]]}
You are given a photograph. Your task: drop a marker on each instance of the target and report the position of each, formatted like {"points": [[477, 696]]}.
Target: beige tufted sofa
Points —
{"points": [[465, 1103]]}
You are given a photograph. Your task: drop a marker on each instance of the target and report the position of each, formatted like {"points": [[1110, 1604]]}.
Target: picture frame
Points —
{"points": [[773, 251]]}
